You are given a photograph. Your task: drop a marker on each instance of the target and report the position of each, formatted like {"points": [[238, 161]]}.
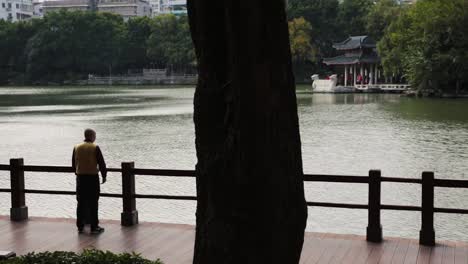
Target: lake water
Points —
{"points": [[341, 134]]}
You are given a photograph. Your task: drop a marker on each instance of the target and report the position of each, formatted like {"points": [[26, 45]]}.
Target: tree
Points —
{"points": [[135, 47], [352, 16], [250, 195], [428, 45], [322, 15], [304, 52], [301, 46], [381, 15], [13, 40], [70, 45], [169, 42]]}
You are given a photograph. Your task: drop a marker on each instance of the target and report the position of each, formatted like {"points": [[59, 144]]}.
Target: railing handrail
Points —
{"points": [[129, 196], [448, 183]]}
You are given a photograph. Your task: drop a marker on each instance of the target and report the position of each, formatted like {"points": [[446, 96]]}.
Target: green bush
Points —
{"points": [[87, 257]]}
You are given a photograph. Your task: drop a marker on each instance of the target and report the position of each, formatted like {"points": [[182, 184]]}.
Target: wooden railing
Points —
{"points": [[129, 216]]}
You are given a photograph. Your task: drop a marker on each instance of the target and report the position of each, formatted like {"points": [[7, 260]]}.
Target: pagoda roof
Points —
{"points": [[351, 60], [355, 42]]}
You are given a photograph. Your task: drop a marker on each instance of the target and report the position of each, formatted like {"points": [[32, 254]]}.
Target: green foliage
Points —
{"points": [[14, 38], [300, 32], [138, 31], [352, 16], [68, 45], [322, 15], [381, 15], [73, 44], [170, 42], [87, 257], [428, 45]]}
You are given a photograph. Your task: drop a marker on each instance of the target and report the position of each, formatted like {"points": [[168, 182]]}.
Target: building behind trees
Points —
{"points": [[175, 7], [126, 8], [16, 10]]}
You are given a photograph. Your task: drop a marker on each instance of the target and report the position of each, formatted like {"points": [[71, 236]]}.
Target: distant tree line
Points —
{"points": [[66, 46], [425, 43]]}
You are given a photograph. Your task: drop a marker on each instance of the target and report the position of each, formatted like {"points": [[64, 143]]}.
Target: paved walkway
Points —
{"points": [[174, 243]]}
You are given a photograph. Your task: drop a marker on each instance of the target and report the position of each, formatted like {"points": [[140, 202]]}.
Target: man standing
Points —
{"points": [[87, 161]]}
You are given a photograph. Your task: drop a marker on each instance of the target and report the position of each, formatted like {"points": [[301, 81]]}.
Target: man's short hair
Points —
{"points": [[89, 133]]}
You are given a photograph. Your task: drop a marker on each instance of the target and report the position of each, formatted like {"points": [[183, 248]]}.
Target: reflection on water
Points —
{"points": [[305, 99], [341, 134]]}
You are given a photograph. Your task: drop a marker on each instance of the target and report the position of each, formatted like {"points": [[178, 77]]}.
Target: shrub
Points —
{"points": [[87, 257]]}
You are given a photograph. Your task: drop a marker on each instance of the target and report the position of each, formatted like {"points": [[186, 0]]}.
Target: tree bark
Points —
{"points": [[251, 206]]}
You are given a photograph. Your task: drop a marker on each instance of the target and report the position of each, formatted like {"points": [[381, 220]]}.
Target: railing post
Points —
{"points": [[19, 210], [427, 233], [374, 228], [129, 216]]}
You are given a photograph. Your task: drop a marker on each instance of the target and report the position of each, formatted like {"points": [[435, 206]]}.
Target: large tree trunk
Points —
{"points": [[251, 206]]}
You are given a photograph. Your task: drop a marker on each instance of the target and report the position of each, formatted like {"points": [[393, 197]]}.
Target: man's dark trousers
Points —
{"points": [[87, 195]]}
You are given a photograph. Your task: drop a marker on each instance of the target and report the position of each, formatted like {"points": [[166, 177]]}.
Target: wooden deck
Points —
{"points": [[174, 243]]}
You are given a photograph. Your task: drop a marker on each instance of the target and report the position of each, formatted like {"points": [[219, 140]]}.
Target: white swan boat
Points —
{"points": [[329, 85]]}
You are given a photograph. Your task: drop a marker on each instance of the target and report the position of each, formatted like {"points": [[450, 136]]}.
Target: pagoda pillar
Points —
{"points": [[371, 74], [376, 75], [345, 75], [354, 74]]}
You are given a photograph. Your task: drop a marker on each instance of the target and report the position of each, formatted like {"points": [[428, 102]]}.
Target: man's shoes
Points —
{"points": [[80, 230], [97, 230]]}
